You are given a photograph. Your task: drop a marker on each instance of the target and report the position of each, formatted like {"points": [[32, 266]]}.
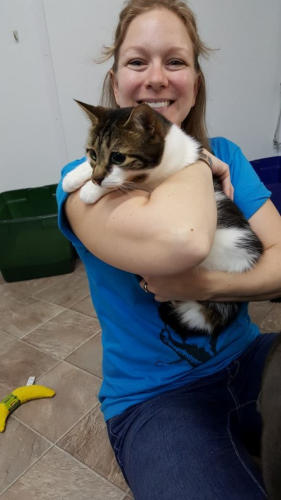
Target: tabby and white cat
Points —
{"points": [[131, 148]]}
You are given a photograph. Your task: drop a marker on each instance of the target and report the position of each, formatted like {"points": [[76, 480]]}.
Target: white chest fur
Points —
{"points": [[180, 150]]}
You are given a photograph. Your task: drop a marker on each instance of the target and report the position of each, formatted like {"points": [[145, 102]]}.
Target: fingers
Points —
{"points": [[228, 188], [158, 298], [144, 285], [221, 170]]}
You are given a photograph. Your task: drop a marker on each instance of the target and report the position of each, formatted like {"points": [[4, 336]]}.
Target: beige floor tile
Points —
{"points": [[259, 310], [31, 287], [85, 306], [19, 315], [62, 334], [272, 321], [5, 339], [67, 292], [89, 356], [88, 442], [20, 447], [57, 476], [18, 361], [76, 394]]}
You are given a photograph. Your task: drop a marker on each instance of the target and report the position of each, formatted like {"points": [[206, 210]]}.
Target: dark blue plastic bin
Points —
{"points": [[269, 171]]}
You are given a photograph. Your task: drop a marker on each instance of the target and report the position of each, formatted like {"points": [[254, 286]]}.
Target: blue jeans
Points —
{"points": [[197, 442]]}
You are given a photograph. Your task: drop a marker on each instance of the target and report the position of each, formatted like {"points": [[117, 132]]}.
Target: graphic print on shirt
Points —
{"points": [[193, 354]]}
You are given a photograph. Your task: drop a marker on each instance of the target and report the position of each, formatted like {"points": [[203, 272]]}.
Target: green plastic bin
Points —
{"points": [[31, 244]]}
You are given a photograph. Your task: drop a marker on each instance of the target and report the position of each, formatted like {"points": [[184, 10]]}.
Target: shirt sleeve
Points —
{"points": [[61, 196], [249, 191]]}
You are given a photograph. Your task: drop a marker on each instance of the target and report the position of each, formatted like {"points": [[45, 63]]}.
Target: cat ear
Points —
{"points": [[143, 118], [95, 113]]}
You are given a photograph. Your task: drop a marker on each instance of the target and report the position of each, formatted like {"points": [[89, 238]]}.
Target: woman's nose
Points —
{"points": [[156, 77]]}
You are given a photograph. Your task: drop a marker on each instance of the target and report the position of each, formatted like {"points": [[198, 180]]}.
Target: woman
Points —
{"points": [[181, 420]]}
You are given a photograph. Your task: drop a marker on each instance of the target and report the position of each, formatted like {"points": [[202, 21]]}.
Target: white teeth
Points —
{"points": [[159, 104]]}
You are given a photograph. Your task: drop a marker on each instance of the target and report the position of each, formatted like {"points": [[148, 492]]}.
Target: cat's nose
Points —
{"points": [[98, 180]]}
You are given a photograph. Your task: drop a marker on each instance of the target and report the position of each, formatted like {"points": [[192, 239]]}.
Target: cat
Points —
{"points": [[131, 148], [269, 405]]}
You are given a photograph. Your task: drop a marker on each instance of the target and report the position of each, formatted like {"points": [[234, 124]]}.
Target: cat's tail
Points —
{"points": [[198, 318], [219, 314]]}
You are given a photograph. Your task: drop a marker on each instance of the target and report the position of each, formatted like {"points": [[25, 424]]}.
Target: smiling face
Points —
{"points": [[156, 65]]}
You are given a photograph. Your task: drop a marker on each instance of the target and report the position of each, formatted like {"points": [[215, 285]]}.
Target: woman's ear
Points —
{"points": [[114, 84]]}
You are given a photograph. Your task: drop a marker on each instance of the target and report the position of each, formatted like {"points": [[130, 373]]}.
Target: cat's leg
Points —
{"points": [[90, 192], [77, 177]]}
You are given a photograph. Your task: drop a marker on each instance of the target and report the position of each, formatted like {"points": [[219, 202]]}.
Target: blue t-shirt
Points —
{"points": [[143, 357]]}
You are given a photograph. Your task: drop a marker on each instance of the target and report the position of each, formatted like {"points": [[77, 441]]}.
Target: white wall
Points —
{"points": [[32, 141], [41, 128], [244, 75]]}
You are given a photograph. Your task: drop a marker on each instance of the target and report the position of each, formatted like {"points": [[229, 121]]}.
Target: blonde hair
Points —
{"points": [[194, 124]]}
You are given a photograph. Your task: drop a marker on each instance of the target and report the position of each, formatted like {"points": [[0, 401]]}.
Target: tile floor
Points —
{"points": [[57, 449]]}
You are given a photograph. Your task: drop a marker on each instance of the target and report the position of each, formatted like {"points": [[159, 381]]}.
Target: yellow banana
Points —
{"points": [[19, 396]]}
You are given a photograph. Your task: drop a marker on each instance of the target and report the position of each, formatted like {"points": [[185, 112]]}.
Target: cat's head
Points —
{"points": [[124, 144]]}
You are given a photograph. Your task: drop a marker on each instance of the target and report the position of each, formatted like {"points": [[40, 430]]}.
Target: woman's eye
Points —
{"points": [[92, 154], [136, 63], [117, 158], [176, 62]]}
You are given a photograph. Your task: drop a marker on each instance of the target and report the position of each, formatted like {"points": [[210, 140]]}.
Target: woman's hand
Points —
{"points": [[221, 170], [194, 284], [262, 282]]}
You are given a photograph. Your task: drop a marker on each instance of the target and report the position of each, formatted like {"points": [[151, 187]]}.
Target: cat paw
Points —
{"points": [[77, 177], [90, 193]]}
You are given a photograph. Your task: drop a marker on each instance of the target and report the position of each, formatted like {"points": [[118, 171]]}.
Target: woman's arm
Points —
{"points": [[156, 233], [260, 283]]}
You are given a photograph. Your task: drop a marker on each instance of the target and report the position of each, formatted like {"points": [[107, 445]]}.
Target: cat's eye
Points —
{"points": [[117, 158], [92, 154]]}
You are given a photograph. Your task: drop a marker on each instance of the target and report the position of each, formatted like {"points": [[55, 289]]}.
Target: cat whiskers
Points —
{"points": [[127, 186]]}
